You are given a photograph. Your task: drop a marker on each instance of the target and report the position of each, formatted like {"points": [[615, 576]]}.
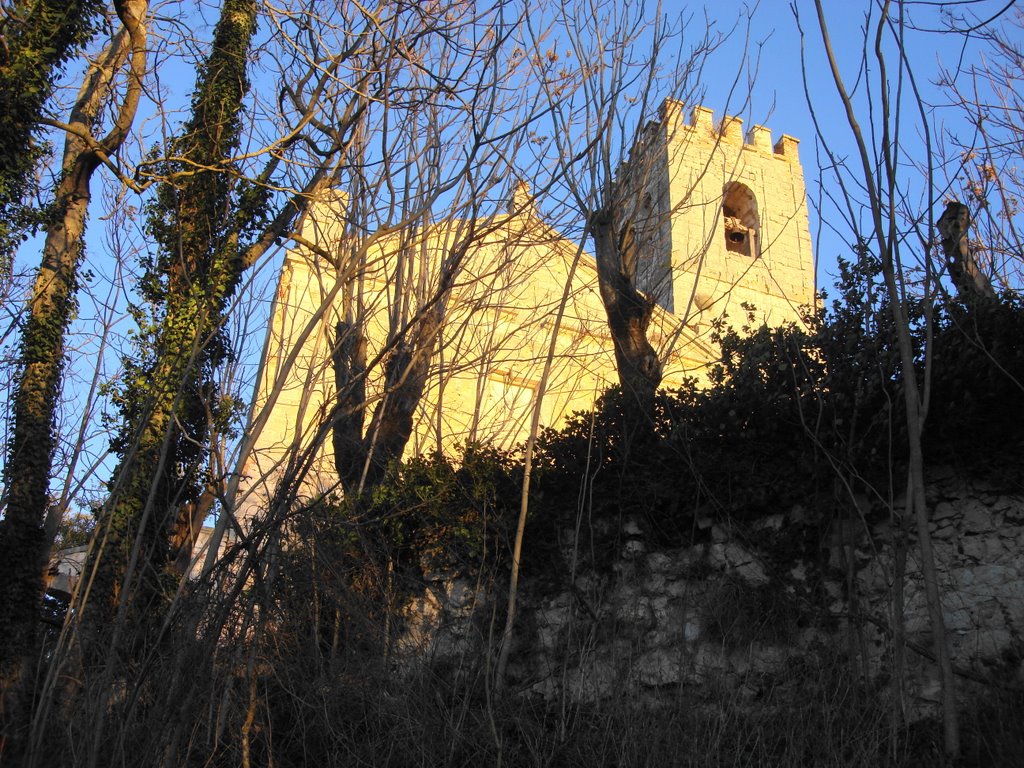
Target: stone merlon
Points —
{"points": [[729, 129]]}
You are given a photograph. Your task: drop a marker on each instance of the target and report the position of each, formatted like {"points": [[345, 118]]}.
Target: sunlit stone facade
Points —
{"points": [[718, 221]]}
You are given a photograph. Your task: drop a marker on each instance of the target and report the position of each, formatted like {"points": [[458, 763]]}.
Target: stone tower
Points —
{"points": [[719, 219]]}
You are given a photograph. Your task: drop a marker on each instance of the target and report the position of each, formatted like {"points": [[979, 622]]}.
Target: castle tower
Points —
{"points": [[719, 218]]}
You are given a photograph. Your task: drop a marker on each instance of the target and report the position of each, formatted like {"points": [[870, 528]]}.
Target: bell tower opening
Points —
{"points": [[740, 220]]}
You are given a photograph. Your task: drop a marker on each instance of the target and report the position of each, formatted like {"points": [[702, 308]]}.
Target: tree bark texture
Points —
{"points": [[349, 361], [36, 39], [172, 403], [884, 233], [24, 544], [629, 311], [970, 281], [362, 460]]}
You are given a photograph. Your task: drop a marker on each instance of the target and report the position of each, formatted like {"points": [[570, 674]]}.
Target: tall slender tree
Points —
{"points": [[448, 166], [171, 400], [213, 217], [884, 110], [25, 532], [599, 111], [983, 150]]}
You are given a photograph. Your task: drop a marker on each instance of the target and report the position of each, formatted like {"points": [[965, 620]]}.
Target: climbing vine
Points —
{"points": [[171, 402], [37, 38]]}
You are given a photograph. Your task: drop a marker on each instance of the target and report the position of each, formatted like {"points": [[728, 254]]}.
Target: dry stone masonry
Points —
{"points": [[727, 615]]}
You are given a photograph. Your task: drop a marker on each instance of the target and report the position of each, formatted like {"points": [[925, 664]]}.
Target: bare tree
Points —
{"points": [[405, 109], [218, 212], [983, 143], [431, 144], [632, 60], [598, 111], [880, 117]]}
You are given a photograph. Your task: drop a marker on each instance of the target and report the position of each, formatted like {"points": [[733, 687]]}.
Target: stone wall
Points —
{"points": [[728, 615]]}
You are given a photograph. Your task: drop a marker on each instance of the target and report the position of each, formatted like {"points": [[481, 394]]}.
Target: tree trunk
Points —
{"points": [[349, 360], [405, 377], [629, 313], [362, 460], [24, 545], [882, 194], [36, 39], [524, 496], [971, 283], [172, 402]]}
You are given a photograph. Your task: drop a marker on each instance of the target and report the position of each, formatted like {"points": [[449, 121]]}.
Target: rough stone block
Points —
{"points": [[662, 666], [692, 629], [977, 517], [753, 573], [655, 583], [720, 534], [681, 589], [958, 619], [709, 663], [660, 562], [591, 683], [983, 643], [1011, 506], [1001, 579], [459, 595], [637, 614], [633, 549]]}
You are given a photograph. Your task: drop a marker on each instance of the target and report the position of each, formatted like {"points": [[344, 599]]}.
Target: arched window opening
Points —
{"points": [[740, 220]]}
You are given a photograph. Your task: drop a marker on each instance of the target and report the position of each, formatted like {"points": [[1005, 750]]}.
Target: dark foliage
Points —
{"points": [[798, 415], [36, 41], [977, 401], [355, 561], [803, 416], [794, 416]]}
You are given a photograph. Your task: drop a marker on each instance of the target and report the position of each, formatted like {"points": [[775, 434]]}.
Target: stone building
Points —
{"points": [[719, 220]]}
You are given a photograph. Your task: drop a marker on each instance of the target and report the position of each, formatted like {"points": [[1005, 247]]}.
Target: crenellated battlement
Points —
{"points": [[728, 130]]}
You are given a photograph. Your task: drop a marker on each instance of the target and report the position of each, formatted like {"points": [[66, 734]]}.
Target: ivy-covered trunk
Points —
{"points": [[23, 542], [25, 539], [171, 402], [36, 38]]}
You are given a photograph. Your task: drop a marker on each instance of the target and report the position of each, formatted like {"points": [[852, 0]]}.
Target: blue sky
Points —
{"points": [[779, 98]]}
